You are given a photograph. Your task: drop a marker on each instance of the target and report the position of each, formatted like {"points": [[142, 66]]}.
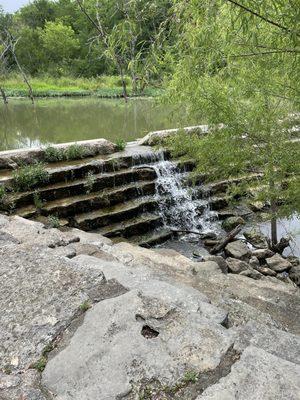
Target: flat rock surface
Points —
{"points": [[112, 344], [258, 375], [113, 322]]}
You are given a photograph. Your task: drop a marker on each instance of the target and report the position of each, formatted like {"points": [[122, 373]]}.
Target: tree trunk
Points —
{"points": [[273, 207], [3, 95], [274, 236], [124, 86]]}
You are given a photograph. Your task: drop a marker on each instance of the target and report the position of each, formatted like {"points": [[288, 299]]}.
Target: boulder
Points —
{"points": [[158, 137], [236, 266], [232, 222], [220, 261], [265, 270], [284, 277], [293, 260], [294, 274], [254, 262], [262, 254], [278, 263], [251, 273], [237, 249], [256, 238]]}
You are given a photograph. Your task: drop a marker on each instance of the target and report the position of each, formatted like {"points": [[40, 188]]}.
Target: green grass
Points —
{"points": [[45, 86]]}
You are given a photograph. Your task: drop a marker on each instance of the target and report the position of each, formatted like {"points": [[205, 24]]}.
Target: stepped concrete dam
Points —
{"points": [[100, 299], [136, 194]]}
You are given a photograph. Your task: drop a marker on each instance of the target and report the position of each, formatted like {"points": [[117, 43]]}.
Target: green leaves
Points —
{"points": [[238, 68]]}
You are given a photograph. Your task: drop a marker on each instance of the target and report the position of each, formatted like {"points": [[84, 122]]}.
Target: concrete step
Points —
{"points": [[223, 185], [217, 203], [78, 169], [76, 187], [107, 216], [152, 238], [67, 207], [134, 226]]}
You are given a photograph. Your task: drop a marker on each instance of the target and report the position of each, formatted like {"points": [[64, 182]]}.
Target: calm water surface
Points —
{"points": [[286, 227], [65, 120]]}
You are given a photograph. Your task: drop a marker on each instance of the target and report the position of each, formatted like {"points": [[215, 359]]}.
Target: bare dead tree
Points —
{"points": [[3, 54], [8, 43], [12, 45]]}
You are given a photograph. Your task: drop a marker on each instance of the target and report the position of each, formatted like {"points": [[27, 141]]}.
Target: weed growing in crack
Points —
{"points": [[90, 181], [75, 152], [85, 306], [38, 202], [53, 221], [7, 369], [49, 347], [190, 377], [40, 364], [121, 144], [54, 154], [2, 193], [30, 176]]}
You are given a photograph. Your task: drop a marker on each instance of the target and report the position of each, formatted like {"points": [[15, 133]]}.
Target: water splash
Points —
{"points": [[177, 206]]}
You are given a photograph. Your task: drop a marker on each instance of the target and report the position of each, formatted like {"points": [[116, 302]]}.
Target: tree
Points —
{"points": [[238, 64], [30, 51], [59, 42], [37, 13], [127, 32]]}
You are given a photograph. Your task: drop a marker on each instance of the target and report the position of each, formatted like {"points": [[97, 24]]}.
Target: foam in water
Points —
{"points": [[177, 205]]}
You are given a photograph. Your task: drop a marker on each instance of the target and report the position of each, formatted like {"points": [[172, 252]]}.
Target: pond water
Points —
{"points": [[286, 227], [64, 120]]}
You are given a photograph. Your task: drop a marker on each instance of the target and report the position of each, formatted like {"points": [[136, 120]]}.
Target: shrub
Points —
{"points": [[74, 152], [121, 144], [30, 176], [53, 154]]}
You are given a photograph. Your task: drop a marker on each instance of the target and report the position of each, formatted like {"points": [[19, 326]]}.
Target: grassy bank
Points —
{"points": [[102, 86]]}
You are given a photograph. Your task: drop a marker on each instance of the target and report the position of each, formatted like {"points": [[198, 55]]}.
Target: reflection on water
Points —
{"points": [[65, 120], [286, 227]]}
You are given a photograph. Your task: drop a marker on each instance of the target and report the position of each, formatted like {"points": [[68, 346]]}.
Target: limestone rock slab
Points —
{"points": [[40, 294], [258, 375], [109, 352]]}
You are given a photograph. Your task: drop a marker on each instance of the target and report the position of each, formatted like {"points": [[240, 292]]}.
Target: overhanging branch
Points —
{"points": [[256, 14]]}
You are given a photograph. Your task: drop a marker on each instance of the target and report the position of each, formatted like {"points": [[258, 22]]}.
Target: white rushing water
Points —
{"points": [[178, 206]]}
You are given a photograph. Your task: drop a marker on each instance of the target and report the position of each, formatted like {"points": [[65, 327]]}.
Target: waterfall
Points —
{"points": [[178, 206]]}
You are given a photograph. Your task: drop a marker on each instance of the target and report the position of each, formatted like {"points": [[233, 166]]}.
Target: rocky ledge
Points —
{"points": [[11, 159], [82, 318]]}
